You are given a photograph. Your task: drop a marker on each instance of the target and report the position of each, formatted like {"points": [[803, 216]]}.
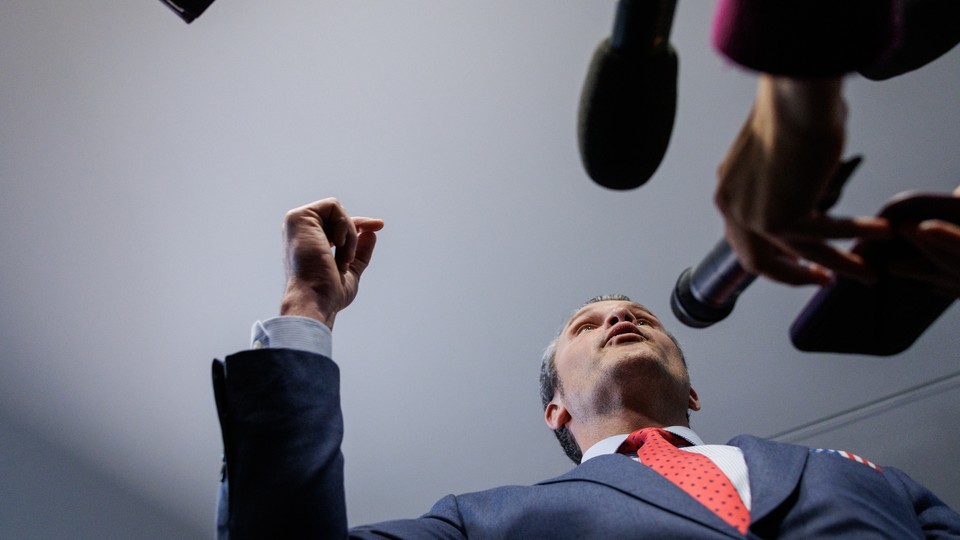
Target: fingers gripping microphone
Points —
{"points": [[629, 98], [707, 293]]}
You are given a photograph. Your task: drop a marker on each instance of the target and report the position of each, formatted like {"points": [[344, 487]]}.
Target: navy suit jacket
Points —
{"points": [[282, 427]]}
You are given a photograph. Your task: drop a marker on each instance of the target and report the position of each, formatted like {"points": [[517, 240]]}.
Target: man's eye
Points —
{"points": [[641, 322], [584, 328]]}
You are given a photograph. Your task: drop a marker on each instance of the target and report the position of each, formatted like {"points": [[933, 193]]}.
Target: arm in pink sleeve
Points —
{"points": [[804, 38]]}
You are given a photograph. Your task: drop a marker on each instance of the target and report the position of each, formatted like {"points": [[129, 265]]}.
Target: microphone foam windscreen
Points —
{"points": [[626, 117]]}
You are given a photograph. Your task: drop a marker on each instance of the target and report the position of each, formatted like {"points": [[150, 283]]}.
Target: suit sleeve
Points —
{"points": [[282, 428], [936, 518], [443, 522]]}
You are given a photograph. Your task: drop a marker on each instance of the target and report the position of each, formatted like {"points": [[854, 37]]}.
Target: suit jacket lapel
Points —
{"points": [[624, 474], [775, 470]]}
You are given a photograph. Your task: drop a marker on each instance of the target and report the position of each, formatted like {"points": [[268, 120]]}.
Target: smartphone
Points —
{"points": [[884, 318]]}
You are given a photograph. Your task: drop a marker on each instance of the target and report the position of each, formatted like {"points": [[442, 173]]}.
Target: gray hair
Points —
{"points": [[550, 383]]}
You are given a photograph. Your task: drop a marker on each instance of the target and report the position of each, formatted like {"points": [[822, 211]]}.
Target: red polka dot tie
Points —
{"points": [[694, 473]]}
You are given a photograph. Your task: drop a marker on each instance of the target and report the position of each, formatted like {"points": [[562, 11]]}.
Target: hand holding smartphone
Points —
{"points": [[886, 317]]}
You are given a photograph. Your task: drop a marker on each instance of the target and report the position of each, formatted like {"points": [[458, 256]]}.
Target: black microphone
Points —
{"points": [[629, 97], [708, 292]]}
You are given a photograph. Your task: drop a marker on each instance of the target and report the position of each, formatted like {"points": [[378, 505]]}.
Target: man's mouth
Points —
{"points": [[624, 332]]}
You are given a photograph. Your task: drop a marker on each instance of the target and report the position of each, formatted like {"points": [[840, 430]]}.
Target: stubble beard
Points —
{"points": [[645, 385]]}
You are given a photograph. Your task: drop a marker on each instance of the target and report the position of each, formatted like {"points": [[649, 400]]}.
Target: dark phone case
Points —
{"points": [[885, 318]]}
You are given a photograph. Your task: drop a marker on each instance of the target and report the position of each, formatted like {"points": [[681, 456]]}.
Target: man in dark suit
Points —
{"points": [[612, 370]]}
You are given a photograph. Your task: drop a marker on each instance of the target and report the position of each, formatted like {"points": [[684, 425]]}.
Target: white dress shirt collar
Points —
{"points": [[610, 444]]}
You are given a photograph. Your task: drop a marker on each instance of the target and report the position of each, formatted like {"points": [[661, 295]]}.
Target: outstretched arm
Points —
{"points": [[777, 175], [279, 408], [774, 180]]}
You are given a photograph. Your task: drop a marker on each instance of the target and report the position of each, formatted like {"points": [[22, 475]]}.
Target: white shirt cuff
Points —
{"points": [[289, 332]]}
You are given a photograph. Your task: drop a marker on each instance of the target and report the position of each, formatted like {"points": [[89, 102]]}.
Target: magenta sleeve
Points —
{"points": [[804, 38]]}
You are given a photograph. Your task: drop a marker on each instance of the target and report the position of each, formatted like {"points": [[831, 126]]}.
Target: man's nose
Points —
{"points": [[619, 315]]}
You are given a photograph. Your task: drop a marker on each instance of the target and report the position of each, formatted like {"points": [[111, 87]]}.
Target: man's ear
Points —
{"points": [[556, 415], [693, 402]]}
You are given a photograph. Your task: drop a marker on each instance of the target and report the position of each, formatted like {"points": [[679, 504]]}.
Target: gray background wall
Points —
{"points": [[146, 166]]}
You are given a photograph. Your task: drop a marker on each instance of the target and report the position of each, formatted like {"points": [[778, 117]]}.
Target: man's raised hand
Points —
{"points": [[325, 252]]}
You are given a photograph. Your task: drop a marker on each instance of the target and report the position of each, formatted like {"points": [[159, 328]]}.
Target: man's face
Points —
{"points": [[615, 355]]}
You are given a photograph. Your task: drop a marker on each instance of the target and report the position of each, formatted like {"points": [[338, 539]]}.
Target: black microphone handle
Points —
{"points": [[642, 26], [707, 293]]}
